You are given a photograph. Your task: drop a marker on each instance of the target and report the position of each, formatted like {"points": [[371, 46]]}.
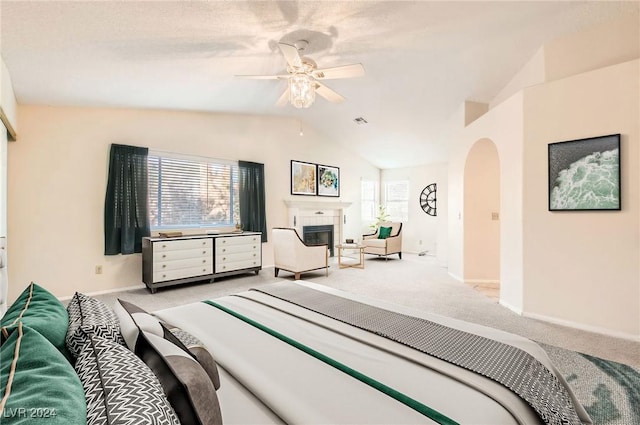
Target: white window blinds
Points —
{"points": [[397, 200], [192, 192]]}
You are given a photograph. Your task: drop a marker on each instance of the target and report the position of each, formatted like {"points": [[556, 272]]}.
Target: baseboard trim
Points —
{"points": [[458, 278], [106, 291], [583, 327], [516, 310], [482, 281]]}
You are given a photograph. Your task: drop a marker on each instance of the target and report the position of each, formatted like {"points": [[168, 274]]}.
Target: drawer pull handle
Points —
{"points": [[164, 246], [224, 258], [224, 249], [164, 265], [254, 247], [164, 275], [204, 270], [254, 254], [224, 241], [204, 252], [224, 267], [204, 242], [204, 261], [164, 255]]}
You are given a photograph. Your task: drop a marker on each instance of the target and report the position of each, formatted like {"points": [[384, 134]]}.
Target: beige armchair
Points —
{"points": [[293, 255], [390, 245]]}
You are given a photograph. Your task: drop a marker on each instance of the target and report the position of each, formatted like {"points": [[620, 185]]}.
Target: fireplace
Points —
{"points": [[319, 235]]}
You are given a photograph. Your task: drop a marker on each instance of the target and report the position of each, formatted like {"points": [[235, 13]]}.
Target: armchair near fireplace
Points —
{"points": [[390, 242], [292, 254]]}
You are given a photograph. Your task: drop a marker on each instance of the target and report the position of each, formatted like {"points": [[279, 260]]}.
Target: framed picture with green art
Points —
{"points": [[584, 174], [303, 178], [328, 180]]}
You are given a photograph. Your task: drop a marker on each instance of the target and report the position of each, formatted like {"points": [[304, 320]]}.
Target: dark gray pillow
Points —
{"points": [[90, 316], [187, 385], [119, 388], [199, 351]]}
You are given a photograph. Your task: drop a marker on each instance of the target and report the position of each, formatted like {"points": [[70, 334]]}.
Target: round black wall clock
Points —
{"points": [[428, 199]]}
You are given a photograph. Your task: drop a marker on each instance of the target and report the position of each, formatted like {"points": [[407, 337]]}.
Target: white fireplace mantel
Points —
{"points": [[303, 204], [314, 212]]}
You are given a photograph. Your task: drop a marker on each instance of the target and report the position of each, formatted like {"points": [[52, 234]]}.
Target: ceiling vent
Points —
{"points": [[361, 121]]}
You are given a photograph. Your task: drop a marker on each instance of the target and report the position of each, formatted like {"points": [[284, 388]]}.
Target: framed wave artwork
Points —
{"points": [[584, 174]]}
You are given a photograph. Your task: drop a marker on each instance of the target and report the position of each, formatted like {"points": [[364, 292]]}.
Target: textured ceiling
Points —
{"points": [[422, 59]]}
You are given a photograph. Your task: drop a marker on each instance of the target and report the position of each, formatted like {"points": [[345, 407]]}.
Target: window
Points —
{"points": [[396, 195], [369, 200], [188, 192]]}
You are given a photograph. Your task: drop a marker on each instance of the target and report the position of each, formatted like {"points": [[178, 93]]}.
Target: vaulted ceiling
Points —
{"points": [[422, 59]]}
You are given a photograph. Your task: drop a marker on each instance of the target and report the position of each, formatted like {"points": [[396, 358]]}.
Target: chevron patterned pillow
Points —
{"points": [[90, 316], [119, 388]]}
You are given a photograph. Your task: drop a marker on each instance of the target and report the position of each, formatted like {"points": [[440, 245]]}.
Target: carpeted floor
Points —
{"points": [[606, 378]]}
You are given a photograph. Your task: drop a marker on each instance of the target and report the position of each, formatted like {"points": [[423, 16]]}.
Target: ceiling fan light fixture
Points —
{"points": [[302, 91]]}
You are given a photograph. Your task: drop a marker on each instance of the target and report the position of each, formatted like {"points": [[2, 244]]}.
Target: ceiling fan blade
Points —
{"points": [[328, 94], [284, 99], [263, 77], [345, 71], [291, 55]]}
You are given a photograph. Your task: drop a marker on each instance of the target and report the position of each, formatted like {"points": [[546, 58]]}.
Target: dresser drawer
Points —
{"points": [[237, 256], [162, 276], [238, 240], [177, 245], [181, 264], [230, 249], [182, 254], [237, 265]]}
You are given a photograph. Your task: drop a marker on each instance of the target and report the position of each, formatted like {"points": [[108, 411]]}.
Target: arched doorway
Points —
{"points": [[481, 224]]}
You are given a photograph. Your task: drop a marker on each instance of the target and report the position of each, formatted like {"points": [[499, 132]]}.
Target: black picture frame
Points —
{"points": [[303, 178], [328, 180], [584, 174]]}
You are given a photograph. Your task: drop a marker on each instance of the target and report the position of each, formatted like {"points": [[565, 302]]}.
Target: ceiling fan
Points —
{"points": [[303, 77]]}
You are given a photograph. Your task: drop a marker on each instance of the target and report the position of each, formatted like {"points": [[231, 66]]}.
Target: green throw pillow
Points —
{"points": [[44, 388], [38, 309], [384, 232]]}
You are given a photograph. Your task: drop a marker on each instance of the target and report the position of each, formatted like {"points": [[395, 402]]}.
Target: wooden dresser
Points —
{"points": [[173, 261]]}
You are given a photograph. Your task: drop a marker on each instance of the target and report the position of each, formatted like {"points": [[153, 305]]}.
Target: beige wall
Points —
{"points": [[481, 201], [7, 97], [503, 125], [579, 269], [58, 170], [582, 267], [603, 45]]}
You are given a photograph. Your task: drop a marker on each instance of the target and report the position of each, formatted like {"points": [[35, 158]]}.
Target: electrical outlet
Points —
{"points": [[495, 216], [99, 269]]}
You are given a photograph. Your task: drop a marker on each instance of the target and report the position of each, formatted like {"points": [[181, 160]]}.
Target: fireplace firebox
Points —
{"points": [[319, 235]]}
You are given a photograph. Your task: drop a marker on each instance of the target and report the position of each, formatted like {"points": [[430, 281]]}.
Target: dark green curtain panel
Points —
{"points": [[126, 207], [252, 204]]}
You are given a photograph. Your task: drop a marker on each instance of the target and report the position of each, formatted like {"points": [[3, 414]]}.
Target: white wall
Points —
{"points": [[582, 267], [58, 171], [422, 232]]}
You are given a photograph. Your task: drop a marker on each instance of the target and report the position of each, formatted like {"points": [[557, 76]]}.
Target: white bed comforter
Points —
{"points": [[267, 381]]}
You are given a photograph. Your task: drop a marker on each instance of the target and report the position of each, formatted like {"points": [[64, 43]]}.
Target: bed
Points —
{"points": [[283, 359], [288, 352]]}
